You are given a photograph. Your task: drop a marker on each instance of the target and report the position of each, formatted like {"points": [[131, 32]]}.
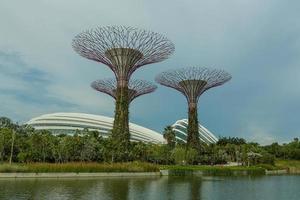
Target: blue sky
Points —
{"points": [[258, 42]]}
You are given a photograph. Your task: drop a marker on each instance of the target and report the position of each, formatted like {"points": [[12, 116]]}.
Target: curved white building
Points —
{"points": [[180, 128], [68, 123]]}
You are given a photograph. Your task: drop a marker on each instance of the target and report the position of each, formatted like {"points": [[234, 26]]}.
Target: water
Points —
{"points": [[181, 188]]}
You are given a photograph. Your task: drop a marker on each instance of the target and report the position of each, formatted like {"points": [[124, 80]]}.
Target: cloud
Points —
{"points": [[27, 91], [261, 136], [264, 135], [24, 89], [258, 42]]}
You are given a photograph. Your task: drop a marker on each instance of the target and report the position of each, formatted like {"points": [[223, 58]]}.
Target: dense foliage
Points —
{"points": [[193, 128], [120, 132], [25, 145], [286, 151]]}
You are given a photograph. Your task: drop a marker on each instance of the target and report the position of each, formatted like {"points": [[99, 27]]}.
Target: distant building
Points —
{"points": [[180, 128], [68, 123]]}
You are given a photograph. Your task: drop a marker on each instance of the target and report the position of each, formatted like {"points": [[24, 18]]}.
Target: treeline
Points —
{"points": [[286, 151], [290, 151], [24, 144]]}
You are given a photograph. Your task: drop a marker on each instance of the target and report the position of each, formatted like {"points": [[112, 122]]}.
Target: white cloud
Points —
{"points": [[257, 41], [260, 135], [27, 92]]}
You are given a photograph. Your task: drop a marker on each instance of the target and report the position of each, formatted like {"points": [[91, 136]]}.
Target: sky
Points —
{"points": [[257, 42]]}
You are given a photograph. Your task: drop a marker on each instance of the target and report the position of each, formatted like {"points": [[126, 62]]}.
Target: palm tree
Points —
{"points": [[169, 135]]}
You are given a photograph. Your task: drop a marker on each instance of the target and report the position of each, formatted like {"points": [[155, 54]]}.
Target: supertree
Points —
{"points": [[123, 50], [136, 87], [192, 82]]}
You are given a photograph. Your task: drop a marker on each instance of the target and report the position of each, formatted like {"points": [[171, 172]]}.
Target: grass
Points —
{"points": [[146, 167], [217, 170], [79, 167], [208, 167], [286, 164], [12, 168], [292, 165], [270, 167]]}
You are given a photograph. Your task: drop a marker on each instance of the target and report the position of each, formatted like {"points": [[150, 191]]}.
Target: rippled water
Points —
{"points": [[181, 188]]}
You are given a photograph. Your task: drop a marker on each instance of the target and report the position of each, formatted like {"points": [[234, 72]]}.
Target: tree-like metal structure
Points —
{"points": [[136, 87], [192, 82], [123, 50]]}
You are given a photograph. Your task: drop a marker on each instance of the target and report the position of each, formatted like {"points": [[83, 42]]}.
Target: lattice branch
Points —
{"points": [[122, 49], [193, 81], [136, 87]]}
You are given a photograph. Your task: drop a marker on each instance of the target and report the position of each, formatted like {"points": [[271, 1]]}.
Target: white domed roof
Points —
{"points": [[180, 128], [70, 122]]}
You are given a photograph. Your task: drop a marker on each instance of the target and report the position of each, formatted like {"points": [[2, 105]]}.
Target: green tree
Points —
{"points": [[5, 143], [170, 136], [183, 156], [179, 155], [139, 151], [89, 149], [159, 154], [40, 146], [7, 123]]}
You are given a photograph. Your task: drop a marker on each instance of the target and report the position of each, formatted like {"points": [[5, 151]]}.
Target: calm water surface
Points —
{"points": [[177, 188]]}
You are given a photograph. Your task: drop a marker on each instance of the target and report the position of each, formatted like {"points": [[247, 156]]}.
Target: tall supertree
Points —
{"points": [[136, 87], [123, 50], [192, 82]]}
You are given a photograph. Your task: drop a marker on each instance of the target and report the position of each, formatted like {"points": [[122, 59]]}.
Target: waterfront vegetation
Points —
{"points": [[23, 149], [79, 167], [215, 170], [135, 166]]}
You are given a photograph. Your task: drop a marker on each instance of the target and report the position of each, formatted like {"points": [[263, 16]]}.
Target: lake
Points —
{"points": [[181, 188]]}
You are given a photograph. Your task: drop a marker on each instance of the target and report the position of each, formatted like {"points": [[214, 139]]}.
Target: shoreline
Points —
{"points": [[78, 175], [139, 169], [15, 175]]}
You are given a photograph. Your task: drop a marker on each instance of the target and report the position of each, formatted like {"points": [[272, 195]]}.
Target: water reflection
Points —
{"points": [[181, 188], [116, 188], [46, 188]]}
